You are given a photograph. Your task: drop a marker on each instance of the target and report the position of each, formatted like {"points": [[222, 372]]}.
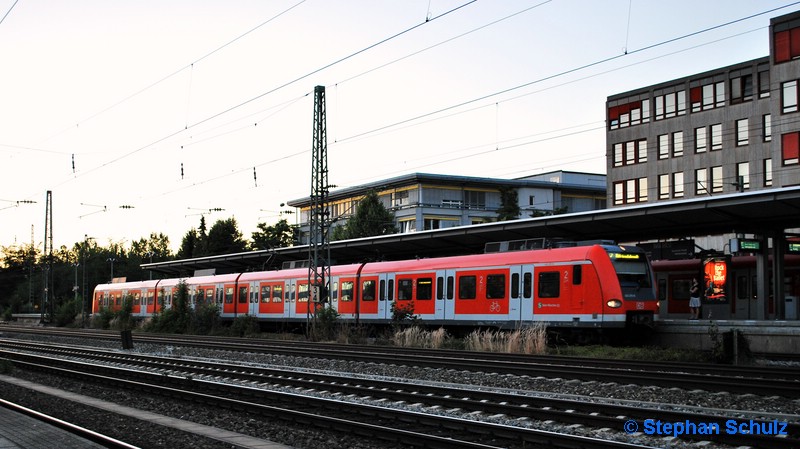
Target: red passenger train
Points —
{"points": [[597, 286]]}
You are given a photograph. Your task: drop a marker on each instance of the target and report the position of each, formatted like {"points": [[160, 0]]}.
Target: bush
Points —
{"points": [[102, 319], [324, 325], [205, 319], [244, 326], [403, 315], [67, 312]]}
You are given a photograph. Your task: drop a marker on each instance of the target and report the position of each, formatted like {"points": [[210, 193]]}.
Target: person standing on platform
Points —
{"points": [[694, 300]]}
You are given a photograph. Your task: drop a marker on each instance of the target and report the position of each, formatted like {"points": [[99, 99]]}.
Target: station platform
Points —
{"points": [[19, 431], [23, 432], [764, 336]]}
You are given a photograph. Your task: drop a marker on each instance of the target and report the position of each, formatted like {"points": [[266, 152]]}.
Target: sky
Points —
{"points": [[177, 108]]}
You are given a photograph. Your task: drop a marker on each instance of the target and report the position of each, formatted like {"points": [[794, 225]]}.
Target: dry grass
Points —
{"points": [[417, 337], [530, 340]]}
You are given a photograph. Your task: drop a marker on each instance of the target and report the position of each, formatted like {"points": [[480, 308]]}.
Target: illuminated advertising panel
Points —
{"points": [[715, 275]]}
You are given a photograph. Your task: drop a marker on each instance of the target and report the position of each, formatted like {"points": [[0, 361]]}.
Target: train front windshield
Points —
{"points": [[632, 269]]}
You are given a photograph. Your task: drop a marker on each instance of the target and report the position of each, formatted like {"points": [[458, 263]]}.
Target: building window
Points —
{"points": [[708, 96], [742, 176], [401, 198], [663, 146], [763, 83], [629, 153], [700, 142], [766, 126], [670, 105], [677, 182], [677, 144], [716, 136], [786, 41], [789, 97], [767, 172], [630, 191], [742, 131], [790, 148], [623, 115], [475, 200], [701, 181], [717, 184], [407, 226], [663, 187], [742, 89]]}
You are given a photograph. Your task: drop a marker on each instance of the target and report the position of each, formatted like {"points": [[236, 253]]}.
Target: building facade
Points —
{"points": [[736, 128], [423, 201]]}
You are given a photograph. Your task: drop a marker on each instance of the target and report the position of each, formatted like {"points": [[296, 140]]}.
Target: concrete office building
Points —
{"points": [[735, 128]]}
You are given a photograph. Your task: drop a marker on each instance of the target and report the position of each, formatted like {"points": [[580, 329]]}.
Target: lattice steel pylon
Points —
{"points": [[47, 306], [319, 272]]}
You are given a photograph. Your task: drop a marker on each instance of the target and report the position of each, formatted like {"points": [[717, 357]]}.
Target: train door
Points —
{"points": [[253, 307], [526, 294], [228, 298], [367, 298], [344, 295], [137, 310], [386, 298], [445, 288], [520, 305], [574, 279], [271, 298]]}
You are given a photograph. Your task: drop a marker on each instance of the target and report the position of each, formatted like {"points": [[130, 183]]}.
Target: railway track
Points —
{"points": [[511, 406], [758, 380], [400, 425]]}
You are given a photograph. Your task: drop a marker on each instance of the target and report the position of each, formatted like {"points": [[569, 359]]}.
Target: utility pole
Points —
{"points": [[46, 312], [319, 272]]}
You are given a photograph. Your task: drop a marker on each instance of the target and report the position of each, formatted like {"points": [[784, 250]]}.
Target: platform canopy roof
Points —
{"points": [[757, 212]]}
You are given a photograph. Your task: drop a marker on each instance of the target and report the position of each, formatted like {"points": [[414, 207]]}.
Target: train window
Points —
{"points": [[210, 296], [368, 290], [577, 274], [118, 299], [527, 285], [347, 291], [277, 293], [515, 285], [549, 285], [201, 293], [662, 289], [150, 296], [136, 298], [266, 293], [439, 287], [302, 292], [680, 289], [335, 291], [466, 287], [383, 289], [450, 288], [405, 288], [242, 295], [390, 290], [228, 295], [496, 286], [425, 288]]}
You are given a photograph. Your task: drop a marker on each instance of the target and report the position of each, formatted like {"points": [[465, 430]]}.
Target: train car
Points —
{"points": [[597, 286], [739, 300]]}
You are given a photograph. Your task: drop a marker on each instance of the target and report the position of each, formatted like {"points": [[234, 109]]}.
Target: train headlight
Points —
{"points": [[614, 303]]}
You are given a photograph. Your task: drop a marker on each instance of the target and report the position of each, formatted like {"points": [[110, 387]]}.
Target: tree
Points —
{"points": [[225, 238], [371, 219], [279, 235], [189, 245], [509, 204]]}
